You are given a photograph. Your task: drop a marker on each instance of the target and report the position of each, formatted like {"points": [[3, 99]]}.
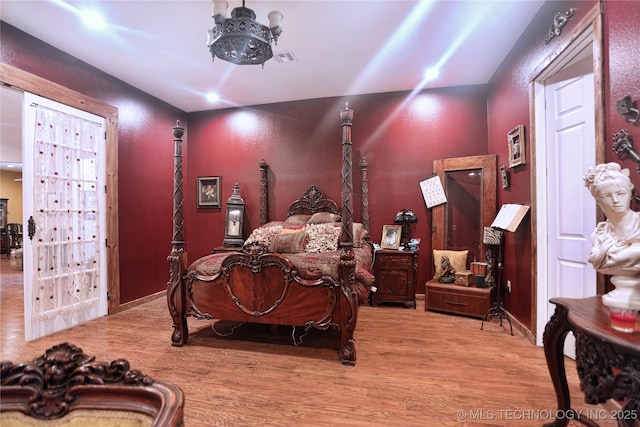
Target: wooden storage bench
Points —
{"points": [[465, 300]]}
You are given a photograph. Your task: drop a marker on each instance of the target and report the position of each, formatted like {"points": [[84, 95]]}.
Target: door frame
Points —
{"points": [[587, 32], [25, 81]]}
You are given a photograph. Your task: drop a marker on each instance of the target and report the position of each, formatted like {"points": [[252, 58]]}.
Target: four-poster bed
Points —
{"points": [[311, 270]]}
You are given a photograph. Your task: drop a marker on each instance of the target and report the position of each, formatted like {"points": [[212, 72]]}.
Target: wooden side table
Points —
{"points": [[608, 361], [465, 300], [395, 272]]}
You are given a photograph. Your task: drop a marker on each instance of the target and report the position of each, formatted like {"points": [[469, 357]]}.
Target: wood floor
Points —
{"points": [[414, 368]]}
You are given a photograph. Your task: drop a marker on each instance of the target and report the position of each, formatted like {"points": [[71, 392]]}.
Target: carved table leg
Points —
{"points": [[553, 339]]}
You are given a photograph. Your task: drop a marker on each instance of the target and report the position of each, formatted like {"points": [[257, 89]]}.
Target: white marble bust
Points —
{"points": [[616, 241]]}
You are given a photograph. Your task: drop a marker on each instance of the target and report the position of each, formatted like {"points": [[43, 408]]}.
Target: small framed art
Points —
{"points": [[391, 236], [515, 139], [432, 191], [208, 192]]}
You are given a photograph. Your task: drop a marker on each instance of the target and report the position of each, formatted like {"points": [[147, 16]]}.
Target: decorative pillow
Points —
{"points": [[323, 218], [273, 224], [365, 277], [264, 235], [298, 219], [292, 229], [458, 260], [322, 237], [359, 234], [290, 243]]}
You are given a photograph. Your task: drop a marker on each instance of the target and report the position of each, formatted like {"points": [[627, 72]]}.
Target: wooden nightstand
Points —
{"points": [[395, 273], [451, 298]]}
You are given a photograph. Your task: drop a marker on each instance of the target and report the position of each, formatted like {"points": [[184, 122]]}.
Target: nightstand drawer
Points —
{"points": [[394, 259]]}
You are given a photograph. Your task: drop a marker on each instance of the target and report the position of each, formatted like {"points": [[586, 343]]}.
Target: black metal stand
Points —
{"points": [[497, 310]]}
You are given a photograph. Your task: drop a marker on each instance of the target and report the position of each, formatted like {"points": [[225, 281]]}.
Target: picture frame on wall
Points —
{"points": [[433, 191], [516, 141], [208, 189], [391, 236]]}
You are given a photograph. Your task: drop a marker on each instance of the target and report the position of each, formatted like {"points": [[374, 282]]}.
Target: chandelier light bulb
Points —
{"points": [[220, 8]]}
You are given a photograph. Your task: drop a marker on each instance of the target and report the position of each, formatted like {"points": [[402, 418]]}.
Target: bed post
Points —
{"points": [[348, 310], [264, 193], [364, 166], [177, 257]]}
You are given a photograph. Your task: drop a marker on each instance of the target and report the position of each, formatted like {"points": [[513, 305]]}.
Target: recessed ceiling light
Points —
{"points": [[93, 19], [213, 97], [431, 73]]}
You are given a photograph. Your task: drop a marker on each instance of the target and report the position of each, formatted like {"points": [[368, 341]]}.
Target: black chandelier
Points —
{"points": [[241, 39]]}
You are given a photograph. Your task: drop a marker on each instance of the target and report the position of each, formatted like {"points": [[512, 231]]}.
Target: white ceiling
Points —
{"points": [[342, 47]]}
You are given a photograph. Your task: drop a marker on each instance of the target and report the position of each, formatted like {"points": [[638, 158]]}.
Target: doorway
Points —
{"points": [[23, 81], [11, 273], [568, 114]]}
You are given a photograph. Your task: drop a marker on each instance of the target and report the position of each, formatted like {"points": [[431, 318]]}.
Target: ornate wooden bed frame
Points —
{"points": [[262, 287]]}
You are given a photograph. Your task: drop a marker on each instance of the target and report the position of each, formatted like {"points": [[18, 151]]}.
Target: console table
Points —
{"points": [[608, 361]]}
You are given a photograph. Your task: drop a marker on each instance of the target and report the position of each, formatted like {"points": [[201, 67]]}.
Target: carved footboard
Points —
{"points": [[262, 288]]}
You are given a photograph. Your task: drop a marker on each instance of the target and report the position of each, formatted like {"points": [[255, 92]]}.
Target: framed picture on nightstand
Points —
{"points": [[391, 236]]}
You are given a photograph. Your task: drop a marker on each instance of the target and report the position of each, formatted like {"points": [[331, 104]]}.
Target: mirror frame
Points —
{"points": [[489, 192]]}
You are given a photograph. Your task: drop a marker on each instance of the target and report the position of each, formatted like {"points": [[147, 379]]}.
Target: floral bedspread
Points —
{"points": [[312, 249]]}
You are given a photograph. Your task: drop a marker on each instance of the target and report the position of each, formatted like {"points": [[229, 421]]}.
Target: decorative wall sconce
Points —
{"points": [[623, 147], [505, 176], [559, 21], [627, 107]]}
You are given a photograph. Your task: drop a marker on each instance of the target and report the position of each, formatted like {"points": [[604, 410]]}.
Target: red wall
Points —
{"points": [[508, 105], [399, 135], [145, 157], [622, 72]]}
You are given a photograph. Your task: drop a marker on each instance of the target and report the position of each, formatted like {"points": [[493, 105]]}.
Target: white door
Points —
{"points": [[570, 149], [64, 216], [571, 209]]}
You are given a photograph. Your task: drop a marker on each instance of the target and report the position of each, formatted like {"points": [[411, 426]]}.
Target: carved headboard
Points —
{"points": [[313, 199]]}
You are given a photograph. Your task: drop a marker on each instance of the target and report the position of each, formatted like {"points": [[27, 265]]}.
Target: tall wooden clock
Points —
{"points": [[234, 219]]}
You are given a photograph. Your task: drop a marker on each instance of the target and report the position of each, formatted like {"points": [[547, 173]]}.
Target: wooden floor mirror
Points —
{"points": [[470, 186]]}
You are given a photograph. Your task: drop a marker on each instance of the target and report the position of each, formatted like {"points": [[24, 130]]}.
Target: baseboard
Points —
{"points": [[139, 301], [524, 331], [517, 325]]}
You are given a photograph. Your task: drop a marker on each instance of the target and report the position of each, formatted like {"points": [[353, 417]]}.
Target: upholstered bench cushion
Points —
{"points": [[79, 418]]}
